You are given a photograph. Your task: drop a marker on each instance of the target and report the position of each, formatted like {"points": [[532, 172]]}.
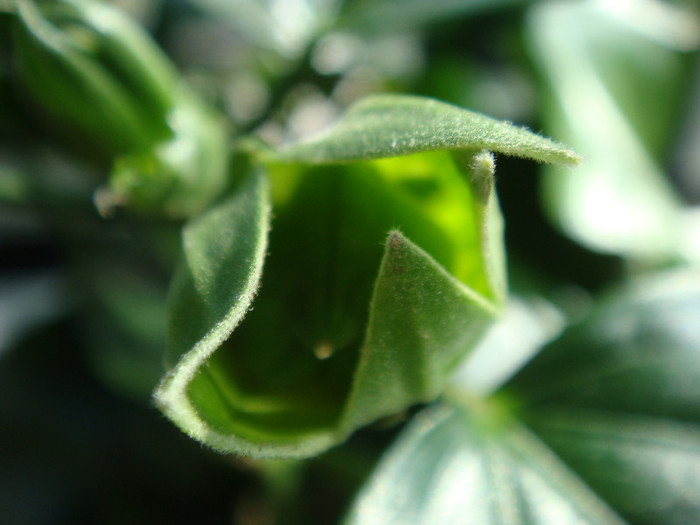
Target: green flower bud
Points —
{"points": [[384, 267], [95, 71], [181, 176], [100, 76]]}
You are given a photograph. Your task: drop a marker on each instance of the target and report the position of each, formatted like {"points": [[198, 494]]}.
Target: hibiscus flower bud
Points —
{"points": [[105, 87]]}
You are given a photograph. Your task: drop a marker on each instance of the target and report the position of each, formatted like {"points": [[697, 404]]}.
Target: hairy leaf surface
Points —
{"points": [[343, 331]]}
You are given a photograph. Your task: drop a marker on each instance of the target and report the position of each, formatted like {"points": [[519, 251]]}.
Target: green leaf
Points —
{"points": [[644, 467], [472, 465], [211, 292], [616, 77], [124, 317], [422, 320], [392, 125], [526, 325], [400, 15], [616, 398], [29, 302], [261, 27]]}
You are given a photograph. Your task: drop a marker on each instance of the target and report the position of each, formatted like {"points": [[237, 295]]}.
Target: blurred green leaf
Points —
{"points": [[617, 399], [400, 15], [616, 75], [125, 329], [645, 468], [525, 326], [284, 27], [638, 353], [614, 398], [470, 465], [393, 125], [29, 301]]}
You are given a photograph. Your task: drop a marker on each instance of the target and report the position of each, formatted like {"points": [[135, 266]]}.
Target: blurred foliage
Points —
{"points": [[600, 423]]}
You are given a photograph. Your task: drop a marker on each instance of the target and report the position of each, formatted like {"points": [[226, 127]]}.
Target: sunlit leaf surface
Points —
{"points": [[392, 125], [617, 398], [616, 72], [456, 466], [615, 405]]}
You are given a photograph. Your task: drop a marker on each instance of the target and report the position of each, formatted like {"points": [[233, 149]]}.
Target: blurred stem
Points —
{"points": [[303, 73]]}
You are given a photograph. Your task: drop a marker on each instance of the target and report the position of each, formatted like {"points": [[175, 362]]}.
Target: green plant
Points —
{"points": [[323, 284]]}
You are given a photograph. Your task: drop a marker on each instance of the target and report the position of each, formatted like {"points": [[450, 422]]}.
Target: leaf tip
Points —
{"points": [[395, 241], [571, 158]]}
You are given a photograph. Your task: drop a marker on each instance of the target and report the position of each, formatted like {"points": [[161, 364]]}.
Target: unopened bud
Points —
{"points": [[95, 72]]}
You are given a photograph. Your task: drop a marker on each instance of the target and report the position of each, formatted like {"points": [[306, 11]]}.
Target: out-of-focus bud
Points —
{"points": [[96, 72], [100, 77], [180, 176]]}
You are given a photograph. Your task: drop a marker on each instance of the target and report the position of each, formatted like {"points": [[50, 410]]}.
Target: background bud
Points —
{"points": [[94, 71], [107, 86]]}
